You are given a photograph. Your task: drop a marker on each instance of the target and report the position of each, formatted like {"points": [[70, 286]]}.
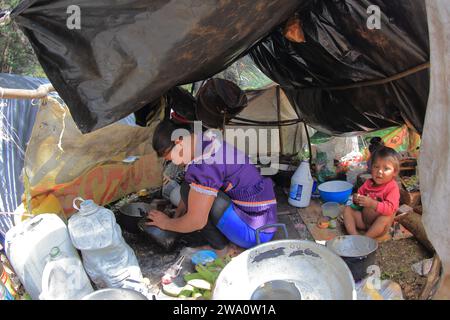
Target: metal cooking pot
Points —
{"points": [[287, 270], [115, 294], [131, 213], [357, 251], [165, 239]]}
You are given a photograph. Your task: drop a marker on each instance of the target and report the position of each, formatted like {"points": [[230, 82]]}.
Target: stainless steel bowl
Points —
{"points": [[115, 294], [286, 269]]}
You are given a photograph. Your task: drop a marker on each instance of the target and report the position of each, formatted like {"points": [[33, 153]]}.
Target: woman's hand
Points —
{"points": [[367, 202], [158, 219]]}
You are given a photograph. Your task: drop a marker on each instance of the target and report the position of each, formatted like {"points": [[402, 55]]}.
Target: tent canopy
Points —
{"points": [[126, 55]]}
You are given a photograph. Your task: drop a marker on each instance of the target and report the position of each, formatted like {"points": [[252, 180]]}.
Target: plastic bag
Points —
{"points": [[372, 288]]}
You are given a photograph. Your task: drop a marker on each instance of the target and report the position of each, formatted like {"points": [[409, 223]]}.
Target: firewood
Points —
{"points": [[432, 279], [413, 222]]}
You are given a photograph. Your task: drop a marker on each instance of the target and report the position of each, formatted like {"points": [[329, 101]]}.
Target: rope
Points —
{"points": [[370, 83], [269, 123]]}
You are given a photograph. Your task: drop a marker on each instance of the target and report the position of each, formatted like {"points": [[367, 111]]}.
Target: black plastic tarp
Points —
{"points": [[339, 50], [128, 53]]}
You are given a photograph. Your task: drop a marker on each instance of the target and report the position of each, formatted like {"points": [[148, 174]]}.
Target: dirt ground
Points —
{"points": [[395, 259]]}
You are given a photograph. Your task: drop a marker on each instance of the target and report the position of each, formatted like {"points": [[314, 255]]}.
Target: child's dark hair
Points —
{"points": [[162, 136], [387, 154], [375, 143]]}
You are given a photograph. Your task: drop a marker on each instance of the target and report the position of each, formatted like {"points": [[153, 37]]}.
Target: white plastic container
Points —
{"points": [[301, 186], [108, 259], [28, 245], [64, 278]]}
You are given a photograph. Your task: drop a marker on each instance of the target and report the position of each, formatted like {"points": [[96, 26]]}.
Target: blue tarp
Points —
{"points": [[17, 117]]}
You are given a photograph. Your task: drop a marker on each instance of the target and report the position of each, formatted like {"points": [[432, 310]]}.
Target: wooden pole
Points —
{"points": [[39, 93]]}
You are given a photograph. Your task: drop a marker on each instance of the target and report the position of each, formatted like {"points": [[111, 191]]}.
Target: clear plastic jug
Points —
{"points": [[108, 259], [64, 278]]}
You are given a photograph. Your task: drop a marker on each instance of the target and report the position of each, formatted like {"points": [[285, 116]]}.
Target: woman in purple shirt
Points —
{"points": [[223, 196]]}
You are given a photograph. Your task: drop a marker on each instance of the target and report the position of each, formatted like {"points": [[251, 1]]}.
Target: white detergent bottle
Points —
{"points": [[108, 259], [301, 186], [64, 278]]}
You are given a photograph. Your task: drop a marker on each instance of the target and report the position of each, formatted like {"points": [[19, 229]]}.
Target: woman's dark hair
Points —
{"points": [[162, 136], [375, 143], [387, 154]]}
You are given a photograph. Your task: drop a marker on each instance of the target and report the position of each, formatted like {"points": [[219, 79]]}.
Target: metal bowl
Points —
{"points": [[115, 294], [288, 270], [331, 209], [352, 246]]}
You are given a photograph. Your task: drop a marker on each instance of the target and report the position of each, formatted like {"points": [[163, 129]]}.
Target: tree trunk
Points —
{"points": [[4, 61], [413, 222]]}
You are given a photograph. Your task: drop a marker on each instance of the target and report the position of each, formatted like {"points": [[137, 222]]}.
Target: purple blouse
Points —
{"points": [[225, 168]]}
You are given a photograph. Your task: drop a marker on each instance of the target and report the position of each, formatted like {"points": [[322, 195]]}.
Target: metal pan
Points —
{"points": [[288, 270]]}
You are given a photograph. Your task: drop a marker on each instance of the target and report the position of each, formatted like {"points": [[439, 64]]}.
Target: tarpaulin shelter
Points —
{"points": [[17, 117], [344, 78], [16, 124]]}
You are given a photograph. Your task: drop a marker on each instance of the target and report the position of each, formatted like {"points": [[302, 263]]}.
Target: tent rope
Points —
{"points": [[377, 82], [266, 123]]}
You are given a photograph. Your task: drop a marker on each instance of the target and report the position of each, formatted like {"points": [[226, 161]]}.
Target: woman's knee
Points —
{"points": [[220, 205]]}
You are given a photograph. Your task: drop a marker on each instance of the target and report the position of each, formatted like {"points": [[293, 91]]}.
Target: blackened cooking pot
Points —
{"points": [[131, 213], [163, 238], [358, 252]]}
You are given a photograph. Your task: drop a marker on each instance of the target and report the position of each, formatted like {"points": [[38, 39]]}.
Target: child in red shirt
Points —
{"points": [[377, 199]]}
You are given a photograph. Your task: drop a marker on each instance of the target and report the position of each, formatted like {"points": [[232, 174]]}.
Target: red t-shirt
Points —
{"points": [[387, 195]]}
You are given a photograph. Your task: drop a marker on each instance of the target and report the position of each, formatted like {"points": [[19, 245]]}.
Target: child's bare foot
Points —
{"points": [[384, 238]]}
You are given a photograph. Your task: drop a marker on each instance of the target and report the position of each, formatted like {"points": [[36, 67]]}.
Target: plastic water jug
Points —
{"points": [[107, 258], [301, 186], [64, 278], [28, 245]]}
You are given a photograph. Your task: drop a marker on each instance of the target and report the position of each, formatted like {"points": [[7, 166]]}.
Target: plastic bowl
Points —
{"points": [[335, 191], [203, 257], [331, 209]]}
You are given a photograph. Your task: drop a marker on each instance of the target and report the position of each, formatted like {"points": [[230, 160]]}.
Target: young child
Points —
{"points": [[377, 199]]}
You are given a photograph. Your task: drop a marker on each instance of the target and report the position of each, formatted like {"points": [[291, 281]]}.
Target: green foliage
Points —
{"points": [[16, 54]]}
